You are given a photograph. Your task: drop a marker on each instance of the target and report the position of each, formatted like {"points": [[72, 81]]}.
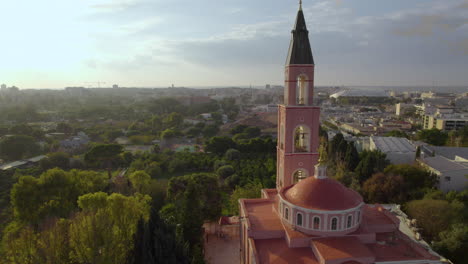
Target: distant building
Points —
{"points": [[3, 87], [450, 164], [398, 150], [75, 143], [444, 119], [402, 108], [115, 86], [451, 173], [23, 164]]}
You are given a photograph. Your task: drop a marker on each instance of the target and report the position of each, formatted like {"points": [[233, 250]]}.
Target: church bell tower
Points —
{"points": [[298, 118]]}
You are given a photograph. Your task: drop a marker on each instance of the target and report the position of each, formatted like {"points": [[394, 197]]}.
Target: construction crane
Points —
{"points": [[98, 83]]}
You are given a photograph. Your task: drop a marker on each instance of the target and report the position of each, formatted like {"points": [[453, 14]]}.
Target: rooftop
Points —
{"points": [[450, 152], [393, 144], [322, 194], [335, 248], [276, 251], [443, 164]]}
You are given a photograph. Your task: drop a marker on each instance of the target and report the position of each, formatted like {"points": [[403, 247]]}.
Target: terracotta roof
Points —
{"points": [[276, 251], [336, 248], [322, 194], [261, 215], [395, 246]]}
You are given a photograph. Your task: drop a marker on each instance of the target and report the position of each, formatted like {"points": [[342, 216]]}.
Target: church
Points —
{"points": [[310, 218]]}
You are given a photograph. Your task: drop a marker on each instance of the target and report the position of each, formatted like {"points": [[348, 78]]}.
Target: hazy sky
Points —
{"points": [[58, 43]]}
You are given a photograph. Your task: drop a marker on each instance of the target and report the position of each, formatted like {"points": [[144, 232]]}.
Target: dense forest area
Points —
{"points": [[105, 204]]}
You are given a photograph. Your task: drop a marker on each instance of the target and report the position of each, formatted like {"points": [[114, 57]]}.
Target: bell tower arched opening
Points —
{"points": [[299, 175], [301, 139], [301, 90]]}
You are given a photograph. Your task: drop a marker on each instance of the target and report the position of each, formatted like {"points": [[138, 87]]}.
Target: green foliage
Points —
{"points": [[173, 120], [371, 162], [141, 140], [238, 129], [453, 243], [140, 180], [225, 171], [232, 154], [458, 138], [433, 216], [432, 136], [18, 147], [156, 242], [56, 160], [415, 177], [381, 188], [53, 194], [103, 231], [219, 145], [397, 133], [207, 189], [169, 134], [104, 154], [210, 130]]}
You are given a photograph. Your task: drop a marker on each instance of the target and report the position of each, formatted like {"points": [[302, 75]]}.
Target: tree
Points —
{"points": [[232, 154], [104, 153], [18, 147], [89, 181], [433, 216], [54, 194], [381, 188], [453, 243], [253, 132], [351, 157], [209, 192], [397, 133], [169, 134], [103, 231], [56, 160], [139, 180], [371, 162], [238, 129], [219, 145], [173, 120], [225, 171], [432, 136], [415, 177], [210, 130], [154, 170]]}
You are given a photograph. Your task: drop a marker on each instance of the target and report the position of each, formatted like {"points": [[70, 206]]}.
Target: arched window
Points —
{"points": [[299, 219], [286, 213], [301, 91], [316, 223], [301, 139], [299, 175], [334, 223], [349, 221]]}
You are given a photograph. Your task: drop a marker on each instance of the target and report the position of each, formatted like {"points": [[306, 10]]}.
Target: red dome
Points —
{"points": [[321, 194]]}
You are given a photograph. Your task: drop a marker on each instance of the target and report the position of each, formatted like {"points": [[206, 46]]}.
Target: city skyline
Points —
{"points": [[206, 43]]}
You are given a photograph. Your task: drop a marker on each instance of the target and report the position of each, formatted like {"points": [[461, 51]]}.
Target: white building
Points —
{"points": [[452, 174]]}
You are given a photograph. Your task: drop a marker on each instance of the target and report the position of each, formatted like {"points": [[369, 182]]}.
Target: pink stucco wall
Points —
{"points": [[292, 72], [290, 161]]}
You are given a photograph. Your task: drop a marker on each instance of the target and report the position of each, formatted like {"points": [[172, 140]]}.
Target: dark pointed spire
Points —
{"points": [[299, 49]]}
